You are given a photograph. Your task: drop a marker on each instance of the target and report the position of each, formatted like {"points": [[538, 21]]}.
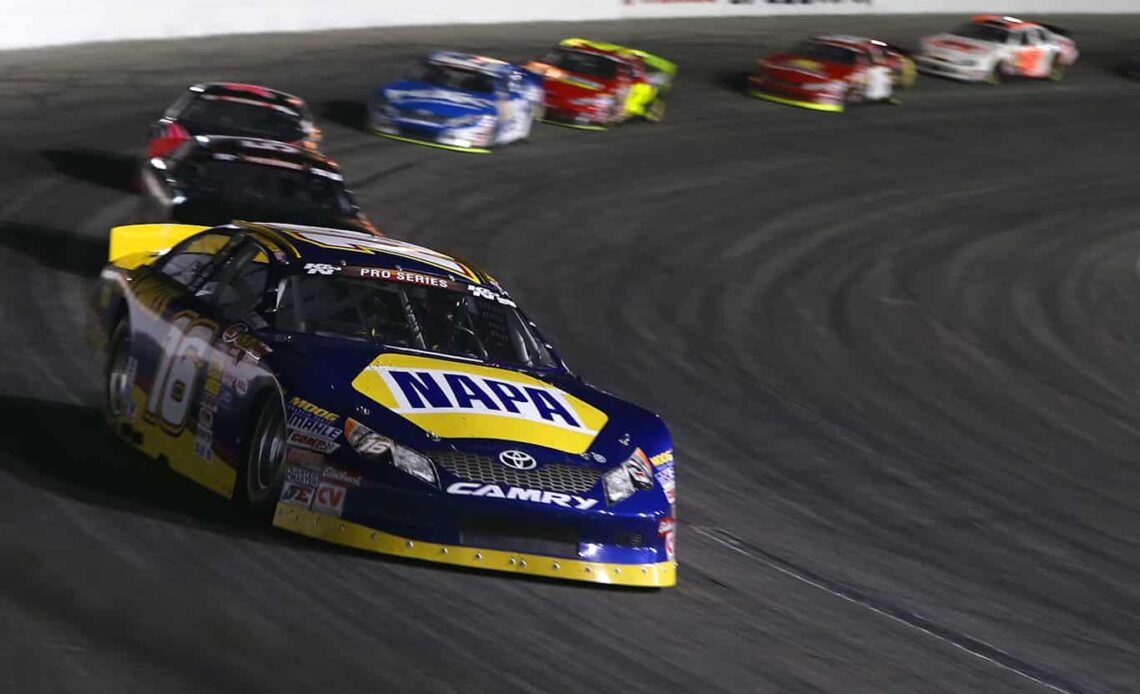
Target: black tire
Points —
{"points": [[997, 74], [1057, 70], [263, 468], [656, 111], [116, 375]]}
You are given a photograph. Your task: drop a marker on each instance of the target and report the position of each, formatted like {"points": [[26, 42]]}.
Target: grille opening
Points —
{"points": [[554, 477], [517, 536], [634, 540]]}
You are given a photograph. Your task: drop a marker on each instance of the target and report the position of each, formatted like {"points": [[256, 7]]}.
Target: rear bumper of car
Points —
{"points": [[930, 65], [790, 95]]}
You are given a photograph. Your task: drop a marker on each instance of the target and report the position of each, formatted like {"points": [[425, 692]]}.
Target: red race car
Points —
{"points": [[825, 73], [595, 85], [242, 110]]}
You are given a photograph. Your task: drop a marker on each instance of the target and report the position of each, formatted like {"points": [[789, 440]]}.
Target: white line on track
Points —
{"points": [[975, 647]]}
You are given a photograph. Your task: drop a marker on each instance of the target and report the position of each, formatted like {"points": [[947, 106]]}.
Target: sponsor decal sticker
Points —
{"points": [[335, 474], [312, 442], [297, 494], [537, 496], [303, 476], [330, 498], [665, 478], [662, 458], [639, 470], [304, 457], [456, 400], [306, 406]]}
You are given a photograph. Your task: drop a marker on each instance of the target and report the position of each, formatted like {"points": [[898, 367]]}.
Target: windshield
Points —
{"points": [[443, 318], [583, 63], [826, 53], [982, 32], [450, 77], [292, 191], [210, 116]]}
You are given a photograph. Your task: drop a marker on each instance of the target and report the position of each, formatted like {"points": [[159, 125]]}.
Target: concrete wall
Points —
{"points": [[52, 22]]}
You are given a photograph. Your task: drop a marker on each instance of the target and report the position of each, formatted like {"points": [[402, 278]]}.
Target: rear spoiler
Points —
{"points": [[147, 239]]}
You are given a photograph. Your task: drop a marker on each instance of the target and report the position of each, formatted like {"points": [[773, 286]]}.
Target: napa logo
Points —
{"points": [[455, 400]]}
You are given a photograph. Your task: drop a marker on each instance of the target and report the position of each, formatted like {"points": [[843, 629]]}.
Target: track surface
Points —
{"points": [[897, 349]]}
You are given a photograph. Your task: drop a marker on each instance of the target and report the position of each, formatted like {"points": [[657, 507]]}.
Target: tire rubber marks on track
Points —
{"points": [[975, 647]]}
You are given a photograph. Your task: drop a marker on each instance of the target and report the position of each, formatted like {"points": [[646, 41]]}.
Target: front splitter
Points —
{"points": [[319, 526]]}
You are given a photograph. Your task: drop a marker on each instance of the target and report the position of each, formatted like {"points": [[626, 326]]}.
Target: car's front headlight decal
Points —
{"points": [[618, 484], [374, 446]]}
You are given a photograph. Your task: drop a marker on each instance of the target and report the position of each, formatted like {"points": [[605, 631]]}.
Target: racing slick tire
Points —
{"points": [[117, 375], [263, 472], [656, 111], [1057, 70], [906, 77], [997, 73]]}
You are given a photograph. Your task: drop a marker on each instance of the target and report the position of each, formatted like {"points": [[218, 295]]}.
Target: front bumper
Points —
{"points": [[347, 533], [432, 135], [563, 536], [941, 67], [790, 95]]}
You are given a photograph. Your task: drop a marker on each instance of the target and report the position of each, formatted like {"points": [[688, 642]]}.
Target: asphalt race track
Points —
{"points": [[897, 349]]}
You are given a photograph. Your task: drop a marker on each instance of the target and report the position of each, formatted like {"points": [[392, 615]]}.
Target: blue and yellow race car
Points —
{"points": [[461, 102], [378, 395]]}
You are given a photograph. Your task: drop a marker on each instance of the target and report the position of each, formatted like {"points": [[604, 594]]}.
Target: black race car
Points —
{"points": [[241, 110], [214, 180]]}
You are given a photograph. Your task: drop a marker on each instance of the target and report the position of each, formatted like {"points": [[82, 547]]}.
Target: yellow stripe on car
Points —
{"points": [[319, 526], [830, 108], [436, 145]]}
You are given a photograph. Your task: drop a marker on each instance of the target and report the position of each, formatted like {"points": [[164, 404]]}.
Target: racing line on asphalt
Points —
{"points": [[977, 648]]}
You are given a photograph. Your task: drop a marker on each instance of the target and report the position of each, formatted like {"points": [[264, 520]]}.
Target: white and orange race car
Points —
{"points": [[990, 48]]}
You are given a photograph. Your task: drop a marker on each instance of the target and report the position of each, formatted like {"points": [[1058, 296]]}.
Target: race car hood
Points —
{"points": [[794, 68], [957, 46], [412, 96], [431, 403]]}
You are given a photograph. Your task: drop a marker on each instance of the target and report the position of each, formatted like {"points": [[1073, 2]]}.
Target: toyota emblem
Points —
{"points": [[519, 460]]}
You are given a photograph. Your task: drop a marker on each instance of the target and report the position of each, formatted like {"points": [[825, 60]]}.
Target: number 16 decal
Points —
{"points": [[184, 351]]}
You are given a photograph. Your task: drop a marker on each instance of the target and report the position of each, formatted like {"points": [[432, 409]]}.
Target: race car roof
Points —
{"points": [[341, 248], [467, 61], [848, 40], [249, 92], [267, 152], [1004, 22]]}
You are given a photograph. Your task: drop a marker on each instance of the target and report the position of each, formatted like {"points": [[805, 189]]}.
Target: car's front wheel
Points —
{"points": [[117, 375], [264, 470], [997, 73], [1057, 70]]}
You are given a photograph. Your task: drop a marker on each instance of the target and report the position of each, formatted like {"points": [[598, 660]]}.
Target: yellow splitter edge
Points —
{"points": [[322, 527], [828, 108]]}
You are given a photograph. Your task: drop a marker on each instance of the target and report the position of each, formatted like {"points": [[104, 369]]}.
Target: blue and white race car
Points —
{"points": [[461, 102]]}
